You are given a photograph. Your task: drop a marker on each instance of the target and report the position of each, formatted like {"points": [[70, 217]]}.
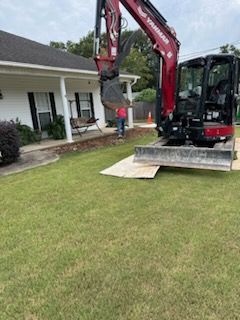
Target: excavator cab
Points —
{"points": [[205, 100]]}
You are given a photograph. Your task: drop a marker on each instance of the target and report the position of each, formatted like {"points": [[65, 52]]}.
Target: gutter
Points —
{"points": [[58, 69]]}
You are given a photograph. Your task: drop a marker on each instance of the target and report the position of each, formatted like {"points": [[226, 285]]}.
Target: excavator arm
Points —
{"points": [[164, 42]]}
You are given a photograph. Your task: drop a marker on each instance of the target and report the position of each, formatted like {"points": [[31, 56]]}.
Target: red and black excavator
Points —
{"points": [[196, 100]]}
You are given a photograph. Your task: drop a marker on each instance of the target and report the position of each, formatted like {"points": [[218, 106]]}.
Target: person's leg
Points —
{"points": [[119, 126], [123, 127]]}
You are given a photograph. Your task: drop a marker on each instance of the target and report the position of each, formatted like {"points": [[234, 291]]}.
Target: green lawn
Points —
{"points": [[237, 132], [78, 245]]}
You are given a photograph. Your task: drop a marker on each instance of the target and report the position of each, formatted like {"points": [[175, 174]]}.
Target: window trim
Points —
{"points": [[38, 112], [89, 100]]}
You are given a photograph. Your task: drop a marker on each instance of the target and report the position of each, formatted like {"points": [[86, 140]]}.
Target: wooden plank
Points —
{"points": [[126, 168]]}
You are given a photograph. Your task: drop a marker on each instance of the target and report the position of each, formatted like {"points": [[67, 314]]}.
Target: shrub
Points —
{"points": [[27, 134], [56, 129], [9, 142], [147, 95], [111, 123]]}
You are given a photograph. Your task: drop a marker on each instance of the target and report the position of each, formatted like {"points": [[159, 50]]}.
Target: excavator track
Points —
{"points": [[219, 157]]}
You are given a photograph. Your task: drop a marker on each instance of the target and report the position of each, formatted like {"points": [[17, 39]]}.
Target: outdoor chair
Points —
{"points": [[84, 123]]}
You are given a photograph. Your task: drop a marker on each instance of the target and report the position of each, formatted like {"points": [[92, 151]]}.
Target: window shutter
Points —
{"points": [[92, 104], [33, 110], [78, 104], [53, 105]]}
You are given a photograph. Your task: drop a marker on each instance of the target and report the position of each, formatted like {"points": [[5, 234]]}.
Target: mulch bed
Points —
{"points": [[99, 142]]}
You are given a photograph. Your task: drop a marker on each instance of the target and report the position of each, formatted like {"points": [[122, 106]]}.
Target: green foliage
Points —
{"points": [[58, 45], [27, 134], [56, 128], [141, 61], [144, 45], [136, 63], [111, 123], [230, 49], [146, 95], [9, 142], [84, 47]]}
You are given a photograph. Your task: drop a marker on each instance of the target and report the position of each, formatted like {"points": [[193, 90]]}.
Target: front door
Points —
{"points": [[44, 113]]}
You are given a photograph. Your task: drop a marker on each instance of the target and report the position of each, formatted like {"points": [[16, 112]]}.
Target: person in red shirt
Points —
{"points": [[121, 117]]}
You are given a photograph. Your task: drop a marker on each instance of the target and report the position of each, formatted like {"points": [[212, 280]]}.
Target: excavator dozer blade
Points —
{"points": [[112, 95], [219, 157]]}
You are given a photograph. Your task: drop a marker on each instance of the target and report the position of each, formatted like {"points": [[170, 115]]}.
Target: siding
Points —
{"points": [[73, 86], [15, 102]]}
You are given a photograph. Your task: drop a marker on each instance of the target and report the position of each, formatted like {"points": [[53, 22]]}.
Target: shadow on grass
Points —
{"points": [[193, 172]]}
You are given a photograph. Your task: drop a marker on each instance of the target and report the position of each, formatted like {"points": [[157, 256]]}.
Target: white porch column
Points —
{"points": [[66, 110], [130, 110]]}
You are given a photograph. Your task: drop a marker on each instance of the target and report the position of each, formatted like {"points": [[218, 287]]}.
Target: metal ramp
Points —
{"points": [[219, 157]]}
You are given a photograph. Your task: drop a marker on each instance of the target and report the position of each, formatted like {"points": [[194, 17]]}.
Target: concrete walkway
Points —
{"points": [[38, 154], [28, 161]]}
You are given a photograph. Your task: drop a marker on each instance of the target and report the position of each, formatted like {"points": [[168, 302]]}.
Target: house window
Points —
{"points": [[43, 108], [86, 105]]}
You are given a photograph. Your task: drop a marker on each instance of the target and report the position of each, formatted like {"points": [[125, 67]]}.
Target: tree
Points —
{"points": [[136, 63], [144, 45], [58, 45], [84, 47], [227, 48], [146, 95], [141, 60]]}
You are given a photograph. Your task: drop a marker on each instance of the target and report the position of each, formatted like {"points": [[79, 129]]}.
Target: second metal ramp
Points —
{"points": [[219, 157]]}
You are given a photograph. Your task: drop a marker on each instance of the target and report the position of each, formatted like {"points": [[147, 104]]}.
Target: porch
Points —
{"points": [[36, 95]]}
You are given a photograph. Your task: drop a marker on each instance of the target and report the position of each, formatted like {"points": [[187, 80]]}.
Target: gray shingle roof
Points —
{"points": [[17, 49]]}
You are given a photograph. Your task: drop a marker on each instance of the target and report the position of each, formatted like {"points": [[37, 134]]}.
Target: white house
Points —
{"points": [[38, 82]]}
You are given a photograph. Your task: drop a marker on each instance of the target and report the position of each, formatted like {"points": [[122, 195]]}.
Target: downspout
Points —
{"points": [[134, 82]]}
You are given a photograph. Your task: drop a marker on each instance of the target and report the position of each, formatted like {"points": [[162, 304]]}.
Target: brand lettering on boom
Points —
{"points": [[159, 32]]}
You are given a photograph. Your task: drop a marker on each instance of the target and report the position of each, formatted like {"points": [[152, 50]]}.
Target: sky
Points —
{"points": [[200, 24]]}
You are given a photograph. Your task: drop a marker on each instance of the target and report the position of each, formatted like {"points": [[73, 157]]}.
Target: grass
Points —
{"points": [[237, 131], [78, 245]]}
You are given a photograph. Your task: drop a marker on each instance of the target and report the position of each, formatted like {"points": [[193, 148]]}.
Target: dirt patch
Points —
{"points": [[99, 142]]}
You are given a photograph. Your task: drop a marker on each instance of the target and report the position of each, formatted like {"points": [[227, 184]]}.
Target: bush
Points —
{"points": [[9, 142], [27, 134], [111, 123], [56, 129], [147, 95]]}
